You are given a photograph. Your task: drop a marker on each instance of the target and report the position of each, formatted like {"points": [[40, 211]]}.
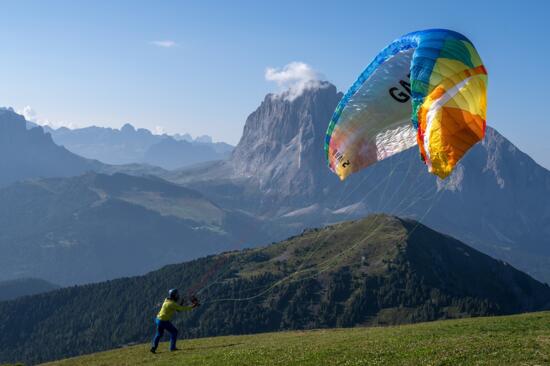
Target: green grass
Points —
{"points": [[508, 340]]}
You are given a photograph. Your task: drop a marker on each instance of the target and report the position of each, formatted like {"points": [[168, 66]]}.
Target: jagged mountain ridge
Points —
{"points": [[497, 199], [130, 146]]}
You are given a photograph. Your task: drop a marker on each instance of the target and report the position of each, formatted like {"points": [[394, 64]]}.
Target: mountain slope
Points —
{"points": [[507, 340], [13, 289], [380, 270], [497, 199], [97, 227], [32, 153]]}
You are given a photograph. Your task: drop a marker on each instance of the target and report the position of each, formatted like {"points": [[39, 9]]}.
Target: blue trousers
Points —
{"points": [[163, 325]]}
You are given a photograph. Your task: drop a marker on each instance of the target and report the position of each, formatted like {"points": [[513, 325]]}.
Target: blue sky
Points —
{"points": [[96, 62]]}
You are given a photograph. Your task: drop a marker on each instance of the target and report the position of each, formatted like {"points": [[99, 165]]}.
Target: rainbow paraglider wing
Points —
{"points": [[427, 88]]}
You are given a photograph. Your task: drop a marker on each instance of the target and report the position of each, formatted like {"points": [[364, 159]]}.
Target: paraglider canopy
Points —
{"points": [[426, 88]]}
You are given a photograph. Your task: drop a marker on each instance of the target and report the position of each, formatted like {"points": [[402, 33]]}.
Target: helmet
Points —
{"points": [[173, 294]]}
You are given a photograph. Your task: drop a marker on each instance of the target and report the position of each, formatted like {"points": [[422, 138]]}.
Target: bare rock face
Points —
{"points": [[281, 149]]}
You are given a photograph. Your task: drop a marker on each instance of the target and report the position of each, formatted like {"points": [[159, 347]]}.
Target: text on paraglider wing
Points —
{"points": [[403, 94], [340, 158]]}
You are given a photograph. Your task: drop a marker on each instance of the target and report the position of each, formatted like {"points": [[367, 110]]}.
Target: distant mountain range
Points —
{"points": [[129, 145], [497, 199], [14, 289], [377, 271], [97, 227]]}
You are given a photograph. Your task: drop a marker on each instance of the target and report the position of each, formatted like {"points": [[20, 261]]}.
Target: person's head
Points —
{"points": [[173, 294]]}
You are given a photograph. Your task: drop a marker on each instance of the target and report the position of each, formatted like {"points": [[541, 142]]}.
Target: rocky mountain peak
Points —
{"points": [[127, 128], [282, 142]]}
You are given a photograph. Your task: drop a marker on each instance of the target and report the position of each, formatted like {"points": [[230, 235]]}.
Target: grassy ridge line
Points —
{"points": [[507, 340]]}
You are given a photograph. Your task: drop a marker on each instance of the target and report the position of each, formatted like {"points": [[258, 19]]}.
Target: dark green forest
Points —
{"points": [[377, 271]]}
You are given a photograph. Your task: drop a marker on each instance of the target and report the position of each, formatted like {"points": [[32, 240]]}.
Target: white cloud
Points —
{"points": [[30, 115], [293, 79], [159, 130], [165, 43]]}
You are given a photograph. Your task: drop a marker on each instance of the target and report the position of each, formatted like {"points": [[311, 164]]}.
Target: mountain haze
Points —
{"points": [[130, 145], [497, 199], [97, 227], [13, 289]]}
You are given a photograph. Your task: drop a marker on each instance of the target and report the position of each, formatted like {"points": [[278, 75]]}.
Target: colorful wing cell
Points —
{"points": [[427, 88]]}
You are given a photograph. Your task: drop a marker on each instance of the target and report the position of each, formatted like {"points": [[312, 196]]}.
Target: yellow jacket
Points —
{"points": [[169, 308]]}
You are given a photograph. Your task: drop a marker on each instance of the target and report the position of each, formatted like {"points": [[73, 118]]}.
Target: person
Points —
{"points": [[163, 322]]}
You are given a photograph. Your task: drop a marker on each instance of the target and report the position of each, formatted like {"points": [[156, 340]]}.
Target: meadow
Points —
{"points": [[506, 340]]}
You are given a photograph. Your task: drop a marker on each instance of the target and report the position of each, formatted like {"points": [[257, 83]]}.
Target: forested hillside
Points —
{"points": [[380, 270]]}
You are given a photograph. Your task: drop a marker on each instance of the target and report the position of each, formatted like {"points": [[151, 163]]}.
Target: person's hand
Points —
{"points": [[195, 302]]}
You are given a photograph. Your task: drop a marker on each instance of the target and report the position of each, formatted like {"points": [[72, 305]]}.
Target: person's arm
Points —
{"points": [[182, 307]]}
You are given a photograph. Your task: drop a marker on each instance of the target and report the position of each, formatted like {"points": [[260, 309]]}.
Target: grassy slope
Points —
{"points": [[508, 340]]}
